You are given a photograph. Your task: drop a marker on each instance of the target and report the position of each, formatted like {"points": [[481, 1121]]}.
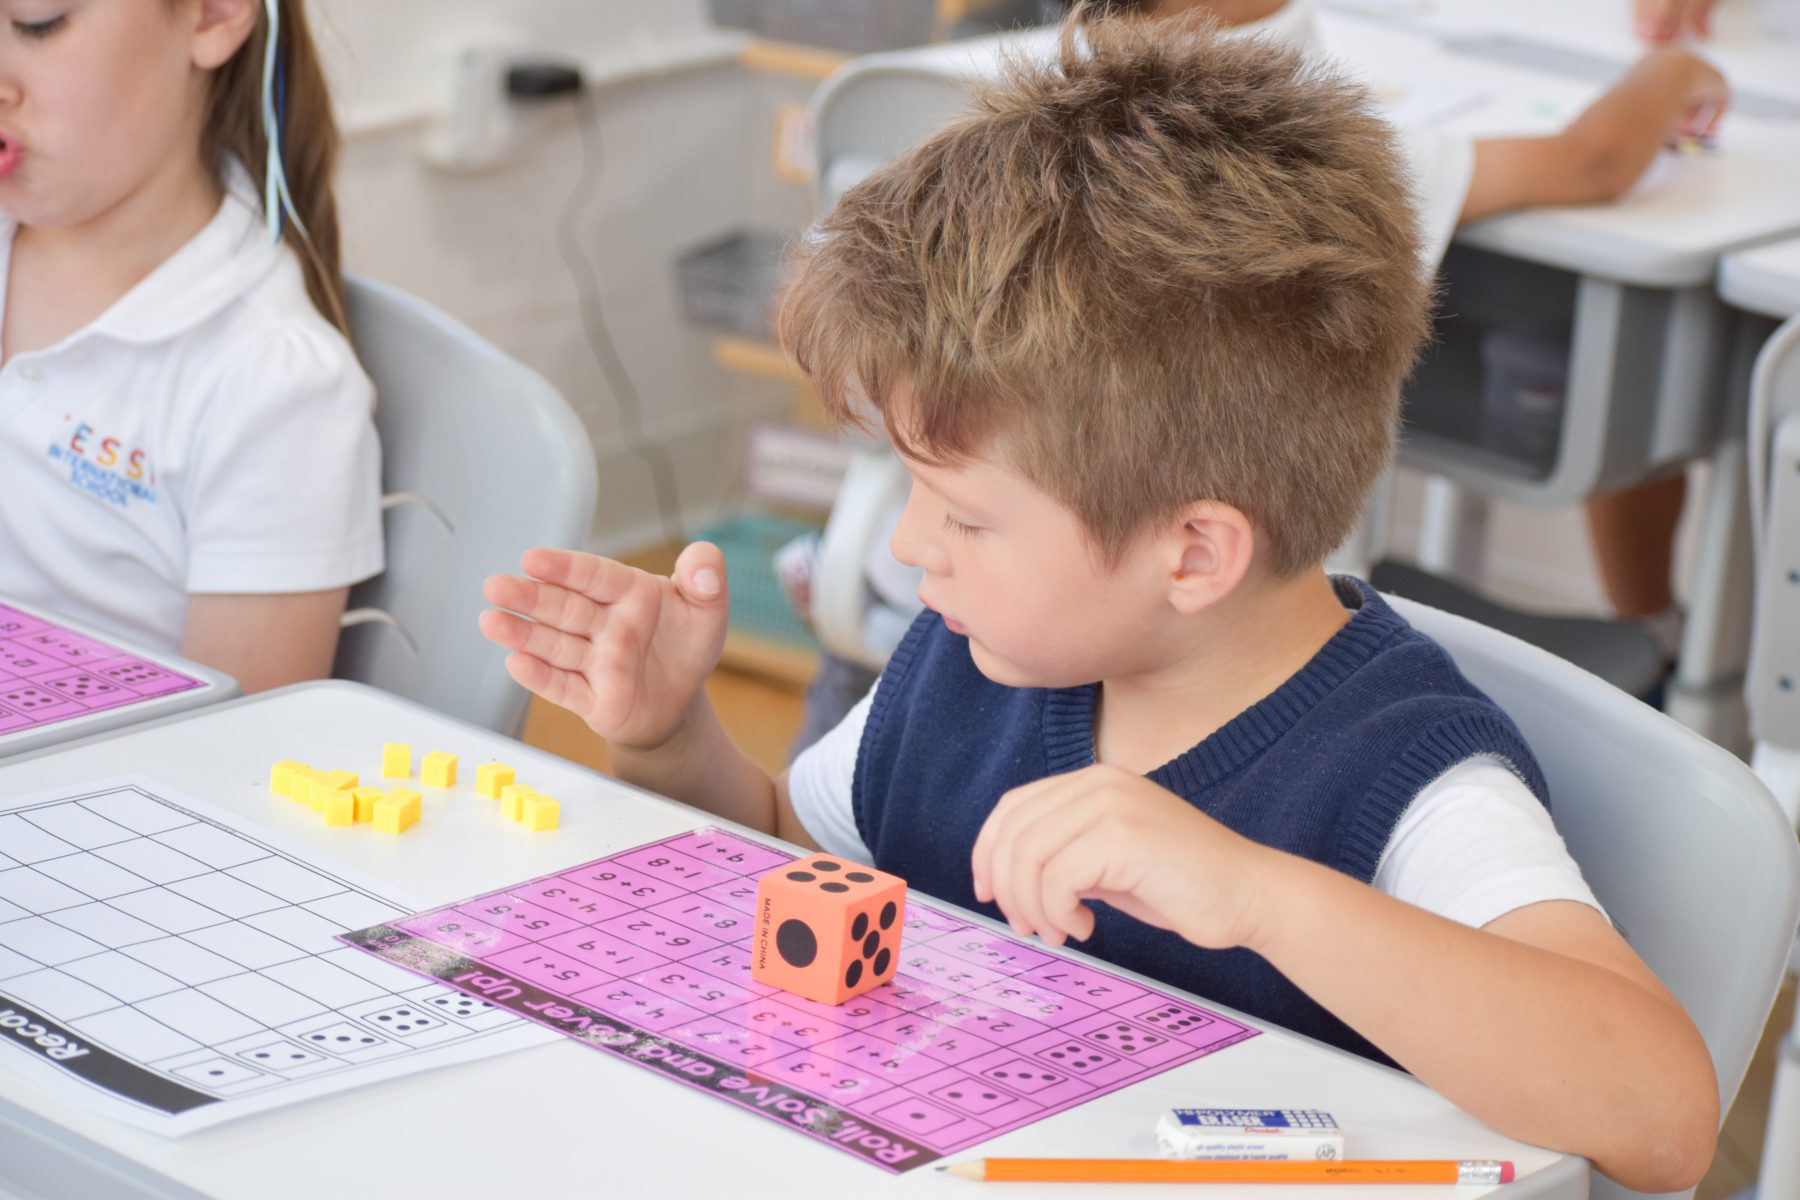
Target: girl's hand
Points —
{"points": [[624, 649], [1102, 833]]}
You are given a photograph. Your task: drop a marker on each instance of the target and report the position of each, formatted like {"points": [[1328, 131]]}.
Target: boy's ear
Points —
{"points": [[220, 29], [1212, 552]]}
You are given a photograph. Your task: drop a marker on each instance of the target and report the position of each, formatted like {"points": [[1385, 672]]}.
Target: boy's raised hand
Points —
{"points": [[1104, 833], [625, 650]]}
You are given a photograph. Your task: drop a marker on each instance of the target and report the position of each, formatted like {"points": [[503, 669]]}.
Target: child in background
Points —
{"points": [[185, 434], [1137, 326]]}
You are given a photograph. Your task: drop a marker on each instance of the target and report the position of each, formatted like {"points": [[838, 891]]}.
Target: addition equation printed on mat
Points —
{"points": [[645, 954]]}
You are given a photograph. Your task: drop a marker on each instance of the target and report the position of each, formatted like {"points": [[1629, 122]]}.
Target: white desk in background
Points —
{"points": [[1630, 286], [60, 681], [562, 1119], [1594, 35]]}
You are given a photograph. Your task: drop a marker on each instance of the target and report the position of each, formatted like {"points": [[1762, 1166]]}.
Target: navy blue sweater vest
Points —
{"points": [[1323, 767]]}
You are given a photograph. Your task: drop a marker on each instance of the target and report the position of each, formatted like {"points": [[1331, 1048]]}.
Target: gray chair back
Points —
{"points": [[481, 459], [1679, 839]]}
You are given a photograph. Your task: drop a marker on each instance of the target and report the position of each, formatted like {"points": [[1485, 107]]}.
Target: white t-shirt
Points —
{"points": [[1474, 845], [210, 432]]}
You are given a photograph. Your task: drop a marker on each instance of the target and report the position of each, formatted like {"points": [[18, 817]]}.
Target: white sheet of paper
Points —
{"points": [[174, 966]]}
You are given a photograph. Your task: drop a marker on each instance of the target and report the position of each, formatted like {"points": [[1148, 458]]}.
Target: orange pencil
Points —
{"points": [[1163, 1170]]}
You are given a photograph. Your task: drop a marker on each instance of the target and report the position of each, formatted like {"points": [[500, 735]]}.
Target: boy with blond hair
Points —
{"points": [[1138, 328]]}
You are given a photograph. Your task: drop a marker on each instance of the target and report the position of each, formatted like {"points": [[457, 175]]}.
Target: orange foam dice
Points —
{"points": [[827, 928]]}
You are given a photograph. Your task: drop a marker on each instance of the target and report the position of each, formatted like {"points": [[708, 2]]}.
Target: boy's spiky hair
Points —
{"points": [[1166, 267]]}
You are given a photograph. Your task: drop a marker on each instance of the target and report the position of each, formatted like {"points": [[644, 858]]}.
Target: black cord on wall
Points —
{"points": [[544, 80]]}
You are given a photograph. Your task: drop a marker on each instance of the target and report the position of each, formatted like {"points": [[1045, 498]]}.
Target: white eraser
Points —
{"points": [[1267, 1134]]}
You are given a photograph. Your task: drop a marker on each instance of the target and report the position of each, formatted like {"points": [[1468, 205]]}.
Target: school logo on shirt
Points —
{"points": [[102, 465]]}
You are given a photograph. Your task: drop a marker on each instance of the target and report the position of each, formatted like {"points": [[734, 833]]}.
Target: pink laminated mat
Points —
{"points": [[646, 955], [49, 673]]}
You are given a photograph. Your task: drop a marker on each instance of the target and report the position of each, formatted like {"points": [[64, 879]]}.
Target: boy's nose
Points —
{"points": [[909, 543]]}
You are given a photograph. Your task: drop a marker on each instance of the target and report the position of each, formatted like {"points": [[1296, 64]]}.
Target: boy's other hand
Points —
{"points": [[1660, 21], [625, 650], [1107, 834]]}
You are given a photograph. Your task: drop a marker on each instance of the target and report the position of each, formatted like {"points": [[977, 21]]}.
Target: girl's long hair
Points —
{"points": [[309, 144]]}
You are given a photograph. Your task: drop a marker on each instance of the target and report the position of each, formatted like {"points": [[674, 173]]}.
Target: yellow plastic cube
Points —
{"points": [[365, 803], [397, 811], [343, 781], [491, 777], [511, 798], [302, 784], [316, 788], [340, 808], [283, 775], [396, 760], [538, 813], [438, 770]]}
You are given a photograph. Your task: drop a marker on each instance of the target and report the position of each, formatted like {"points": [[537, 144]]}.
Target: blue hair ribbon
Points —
{"points": [[276, 200]]}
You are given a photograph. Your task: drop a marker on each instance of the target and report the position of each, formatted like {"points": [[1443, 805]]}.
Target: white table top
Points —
{"points": [[1668, 232], [564, 1120], [1765, 279], [1742, 43]]}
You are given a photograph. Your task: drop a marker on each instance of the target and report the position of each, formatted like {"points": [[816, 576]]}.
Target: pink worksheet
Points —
{"points": [[49, 673], [645, 955]]}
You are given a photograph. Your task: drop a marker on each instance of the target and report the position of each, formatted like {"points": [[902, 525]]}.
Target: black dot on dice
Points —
{"points": [[888, 913], [834, 887], [859, 927], [825, 864], [853, 974], [871, 944], [801, 876], [880, 964], [860, 877], [795, 942]]}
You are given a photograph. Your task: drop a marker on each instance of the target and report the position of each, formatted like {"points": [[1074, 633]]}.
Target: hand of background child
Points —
{"points": [[1103, 833], [1701, 93], [1666, 20], [625, 650]]}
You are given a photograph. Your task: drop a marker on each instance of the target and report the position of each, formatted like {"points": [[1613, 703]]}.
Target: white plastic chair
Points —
{"points": [[481, 459], [1681, 842]]}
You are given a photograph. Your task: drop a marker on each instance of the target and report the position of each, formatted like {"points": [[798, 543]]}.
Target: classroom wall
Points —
{"points": [[684, 136]]}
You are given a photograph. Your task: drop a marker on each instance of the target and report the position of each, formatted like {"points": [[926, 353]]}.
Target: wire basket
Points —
{"points": [[731, 283], [759, 605]]}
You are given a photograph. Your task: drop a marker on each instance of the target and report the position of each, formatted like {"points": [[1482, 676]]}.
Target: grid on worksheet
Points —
{"points": [[186, 946]]}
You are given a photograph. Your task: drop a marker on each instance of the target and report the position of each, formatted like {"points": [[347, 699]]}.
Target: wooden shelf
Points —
{"points": [[781, 661], [751, 357]]}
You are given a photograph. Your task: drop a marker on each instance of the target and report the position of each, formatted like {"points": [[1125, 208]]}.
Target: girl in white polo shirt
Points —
{"points": [[187, 454]]}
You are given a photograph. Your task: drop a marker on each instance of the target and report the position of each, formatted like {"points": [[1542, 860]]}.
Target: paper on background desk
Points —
{"points": [[172, 965]]}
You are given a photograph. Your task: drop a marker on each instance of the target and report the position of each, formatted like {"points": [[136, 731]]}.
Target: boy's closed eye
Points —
{"points": [[40, 29], [952, 525]]}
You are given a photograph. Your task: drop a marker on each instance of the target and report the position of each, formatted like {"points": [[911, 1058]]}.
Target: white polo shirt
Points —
{"points": [[210, 432]]}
